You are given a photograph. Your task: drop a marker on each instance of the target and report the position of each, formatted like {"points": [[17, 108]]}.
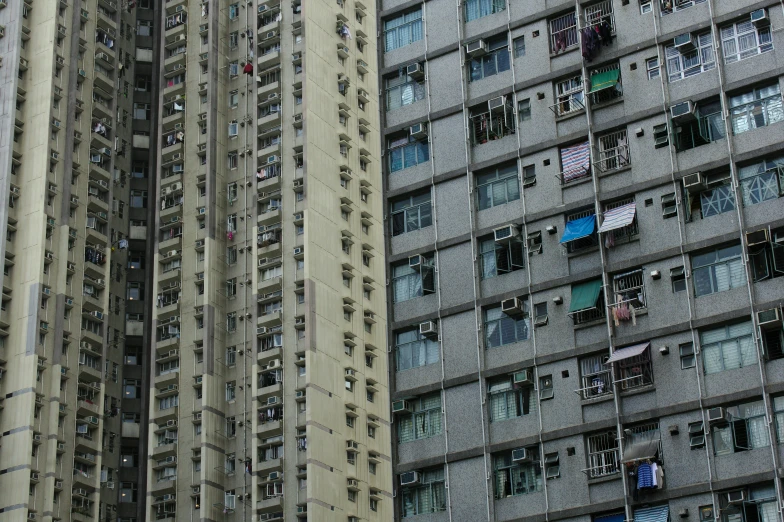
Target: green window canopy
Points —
{"points": [[584, 295], [604, 80]]}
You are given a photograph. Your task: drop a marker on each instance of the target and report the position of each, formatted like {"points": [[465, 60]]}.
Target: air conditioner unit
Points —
{"points": [[270, 34], [176, 157], [758, 237], [58, 484], [415, 261], [760, 17], [505, 234], [195, 490], [684, 42], [428, 328], [415, 71], [199, 243], [476, 49], [418, 131], [410, 478], [102, 56], [716, 415], [275, 475], [352, 483], [171, 423], [736, 497], [683, 111], [81, 492], [352, 445], [197, 415], [513, 306], [274, 363], [272, 400], [262, 8], [297, 118], [520, 455], [401, 407], [272, 159], [300, 394], [769, 319], [298, 251], [694, 182], [350, 372], [202, 211], [55, 155], [198, 379], [523, 377]]}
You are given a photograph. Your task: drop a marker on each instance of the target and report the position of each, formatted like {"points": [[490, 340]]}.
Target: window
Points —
{"points": [[414, 278], [717, 199], [132, 389], [234, 99], [652, 66], [552, 465], [706, 127], [475, 9], [495, 61], [231, 391], [606, 84], [778, 414], [529, 175], [718, 270], [678, 279], [587, 302], [403, 30], [563, 33], [141, 111], [683, 64], [633, 367], [524, 109], [760, 506], [233, 160], [508, 400], [696, 435], [402, 89], [411, 213], [570, 96], [580, 231], [128, 492], [519, 46], [745, 428], [407, 152], [501, 258], [760, 181], [168, 402], [234, 11], [603, 456], [517, 472], [413, 350], [497, 187], [135, 291], [728, 347], [595, 377], [745, 39], [502, 329], [686, 352], [138, 199], [628, 293], [424, 420], [757, 108]]}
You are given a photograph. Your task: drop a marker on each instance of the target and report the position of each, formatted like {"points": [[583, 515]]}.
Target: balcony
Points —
{"points": [[270, 505], [266, 392], [89, 374], [269, 429], [87, 408], [264, 468], [169, 244], [270, 319]]}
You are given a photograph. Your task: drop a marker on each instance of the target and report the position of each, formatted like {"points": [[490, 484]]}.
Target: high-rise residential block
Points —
{"points": [[585, 256], [268, 393]]}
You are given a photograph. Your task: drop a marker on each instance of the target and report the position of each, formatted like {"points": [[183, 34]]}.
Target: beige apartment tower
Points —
{"points": [[268, 397]]}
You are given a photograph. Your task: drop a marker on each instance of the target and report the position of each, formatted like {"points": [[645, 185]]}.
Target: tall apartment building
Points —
{"points": [[585, 251], [268, 395], [71, 320]]}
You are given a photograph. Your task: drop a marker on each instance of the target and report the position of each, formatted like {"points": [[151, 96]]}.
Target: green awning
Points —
{"points": [[584, 295], [604, 80]]}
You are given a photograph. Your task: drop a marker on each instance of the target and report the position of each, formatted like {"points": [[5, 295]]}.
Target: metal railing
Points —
{"points": [[563, 33], [613, 152], [759, 113], [494, 125]]}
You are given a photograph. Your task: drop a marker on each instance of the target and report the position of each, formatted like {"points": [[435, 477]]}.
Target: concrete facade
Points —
{"points": [[447, 190], [71, 323]]}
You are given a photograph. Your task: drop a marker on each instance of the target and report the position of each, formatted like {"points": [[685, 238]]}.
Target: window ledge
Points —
{"points": [[583, 251], [637, 391], [596, 322], [601, 480], [569, 116], [567, 51], [615, 171], [597, 400], [610, 103], [586, 179]]}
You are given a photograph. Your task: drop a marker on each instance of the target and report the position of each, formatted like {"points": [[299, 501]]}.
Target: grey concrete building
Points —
{"points": [[585, 251]]}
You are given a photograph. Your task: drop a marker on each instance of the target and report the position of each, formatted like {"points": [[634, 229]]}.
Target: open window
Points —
{"points": [[613, 151], [580, 231], [502, 253], [517, 472], [511, 396], [575, 163], [606, 84], [739, 428], [633, 366], [595, 377], [492, 121], [696, 124], [413, 278], [619, 222], [587, 302], [628, 295]]}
